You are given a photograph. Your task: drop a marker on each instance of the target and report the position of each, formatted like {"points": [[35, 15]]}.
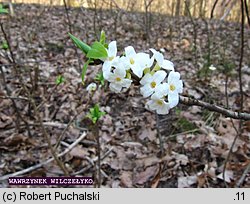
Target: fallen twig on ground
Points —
{"points": [[32, 168]]}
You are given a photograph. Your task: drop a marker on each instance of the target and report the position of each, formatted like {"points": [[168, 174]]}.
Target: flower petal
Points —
{"points": [[159, 76], [130, 51], [151, 105], [106, 69], [173, 99], [137, 69], [179, 86], [120, 72], [146, 90], [164, 109], [167, 65], [144, 60], [109, 76], [115, 88], [116, 62], [158, 56], [173, 77], [148, 78], [126, 83], [112, 49], [160, 91]]}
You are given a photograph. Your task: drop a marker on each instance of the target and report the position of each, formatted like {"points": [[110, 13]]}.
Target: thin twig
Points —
{"points": [[239, 131], [37, 166], [97, 137], [94, 160], [215, 108], [213, 8], [243, 177], [226, 92], [241, 60], [181, 133], [14, 97], [59, 138], [70, 30], [159, 134], [194, 33], [247, 12]]}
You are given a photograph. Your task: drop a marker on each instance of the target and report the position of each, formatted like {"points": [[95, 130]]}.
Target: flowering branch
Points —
{"points": [[157, 77], [215, 108]]}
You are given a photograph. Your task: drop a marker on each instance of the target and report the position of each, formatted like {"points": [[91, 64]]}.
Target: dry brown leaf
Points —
{"points": [[15, 140], [181, 159], [229, 176], [126, 179], [79, 152], [148, 133], [5, 121], [146, 175], [188, 181]]}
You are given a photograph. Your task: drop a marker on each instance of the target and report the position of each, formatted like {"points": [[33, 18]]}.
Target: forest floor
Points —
{"points": [[196, 141]]}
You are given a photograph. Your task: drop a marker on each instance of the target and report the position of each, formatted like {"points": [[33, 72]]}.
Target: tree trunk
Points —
{"points": [[177, 10], [11, 8], [187, 7], [201, 9]]}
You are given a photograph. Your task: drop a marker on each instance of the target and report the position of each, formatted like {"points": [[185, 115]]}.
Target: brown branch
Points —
{"points": [[71, 31], [243, 177], [247, 13], [241, 54], [214, 6], [215, 108]]}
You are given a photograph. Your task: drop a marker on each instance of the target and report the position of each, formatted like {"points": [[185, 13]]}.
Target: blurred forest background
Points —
{"points": [[227, 10], [204, 142]]}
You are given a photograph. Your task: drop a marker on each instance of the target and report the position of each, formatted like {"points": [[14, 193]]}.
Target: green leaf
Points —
{"points": [[60, 79], [95, 113], [84, 69], [103, 38], [81, 45], [98, 51], [99, 77], [2, 10], [5, 45]]}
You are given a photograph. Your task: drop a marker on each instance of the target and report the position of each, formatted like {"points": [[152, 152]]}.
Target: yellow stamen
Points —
{"points": [[153, 84], [111, 58], [159, 102], [118, 79], [172, 87], [132, 61]]}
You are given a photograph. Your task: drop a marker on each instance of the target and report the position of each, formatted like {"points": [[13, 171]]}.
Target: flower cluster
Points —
{"points": [[158, 79]]}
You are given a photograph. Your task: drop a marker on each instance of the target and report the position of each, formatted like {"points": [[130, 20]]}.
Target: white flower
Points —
{"points": [[122, 63], [175, 87], [110, 60], [137, 61], [118, 81], [159, 105], [150, 82], [161, 91], [157, 101], [145, 61], [91, 87], [212, 67], [165, 64]]}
